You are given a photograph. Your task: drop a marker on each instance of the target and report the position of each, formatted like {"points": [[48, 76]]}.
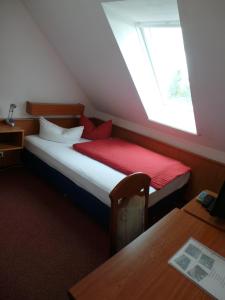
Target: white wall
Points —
{"points": [[80, 32], [203, 23], [30, 69], [133, 54]]}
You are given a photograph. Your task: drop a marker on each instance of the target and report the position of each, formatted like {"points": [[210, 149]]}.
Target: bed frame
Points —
{"points": [[86, 201], [89, 203], [83, 199]]}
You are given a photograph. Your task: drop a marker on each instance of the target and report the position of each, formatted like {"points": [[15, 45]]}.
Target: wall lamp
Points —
{"points": [[9, 119]]}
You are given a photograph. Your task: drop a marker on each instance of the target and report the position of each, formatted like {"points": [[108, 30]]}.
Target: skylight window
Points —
{"points": [[150, 39], [173, 104]]}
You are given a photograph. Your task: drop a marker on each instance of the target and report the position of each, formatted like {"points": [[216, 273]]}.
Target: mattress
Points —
{"points": [[87, 173]]}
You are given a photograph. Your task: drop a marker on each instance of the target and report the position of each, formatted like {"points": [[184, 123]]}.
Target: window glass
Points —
{"points": [[166, 51]]}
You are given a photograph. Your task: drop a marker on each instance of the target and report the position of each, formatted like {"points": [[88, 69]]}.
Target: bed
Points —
{"points": [[83, 178], [87, 173]]}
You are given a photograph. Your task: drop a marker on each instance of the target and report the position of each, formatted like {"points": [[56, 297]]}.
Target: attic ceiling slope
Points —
{"points": [[78, 29], [29, 66], [81, 34]]}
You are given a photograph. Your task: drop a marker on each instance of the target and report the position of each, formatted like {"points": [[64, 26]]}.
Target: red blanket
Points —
{"points": [[129, 158]]}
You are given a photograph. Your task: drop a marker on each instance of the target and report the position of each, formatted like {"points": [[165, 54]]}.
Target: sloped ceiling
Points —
{"points": [[80, 33], [30, 69]]}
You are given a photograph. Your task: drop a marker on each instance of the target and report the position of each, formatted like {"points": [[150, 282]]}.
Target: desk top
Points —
{"points": [[141, 270], [195, 209]]}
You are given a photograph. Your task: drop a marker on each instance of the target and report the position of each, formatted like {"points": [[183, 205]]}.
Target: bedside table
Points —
{"points": [[11, 144]]}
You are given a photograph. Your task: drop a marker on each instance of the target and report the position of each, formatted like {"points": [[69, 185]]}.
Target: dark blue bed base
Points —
{"points": [[86, 201]]}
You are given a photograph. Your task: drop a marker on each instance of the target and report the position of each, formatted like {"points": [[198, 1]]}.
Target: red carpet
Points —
{"points": [[46, 243]]}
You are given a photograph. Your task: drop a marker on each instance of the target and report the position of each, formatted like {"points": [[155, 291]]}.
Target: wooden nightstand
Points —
{"points": [[11, 144]]}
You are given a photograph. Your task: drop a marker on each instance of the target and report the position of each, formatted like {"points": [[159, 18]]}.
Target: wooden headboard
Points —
{"points": [[54, 109]]}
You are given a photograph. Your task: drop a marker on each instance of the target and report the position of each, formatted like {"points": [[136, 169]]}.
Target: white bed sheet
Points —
{"points": [[89, 174]]}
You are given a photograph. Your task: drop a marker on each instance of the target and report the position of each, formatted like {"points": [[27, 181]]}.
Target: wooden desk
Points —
{"points": [[195, 209], [141, 270]]}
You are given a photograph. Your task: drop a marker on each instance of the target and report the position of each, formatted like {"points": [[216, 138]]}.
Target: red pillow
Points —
{"points": [[92, 132]]}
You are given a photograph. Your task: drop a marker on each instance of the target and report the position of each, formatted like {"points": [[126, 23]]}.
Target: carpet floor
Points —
{"points": [[46, 243]]}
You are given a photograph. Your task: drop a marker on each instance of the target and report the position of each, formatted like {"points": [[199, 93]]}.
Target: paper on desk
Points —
{"points": [[203, 266]]}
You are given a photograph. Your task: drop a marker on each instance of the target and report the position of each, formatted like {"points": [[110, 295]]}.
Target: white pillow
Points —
{"points": [[52, 132]]}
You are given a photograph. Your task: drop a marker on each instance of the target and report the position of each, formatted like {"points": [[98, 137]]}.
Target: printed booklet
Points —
{"points": [[203, 266]]}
